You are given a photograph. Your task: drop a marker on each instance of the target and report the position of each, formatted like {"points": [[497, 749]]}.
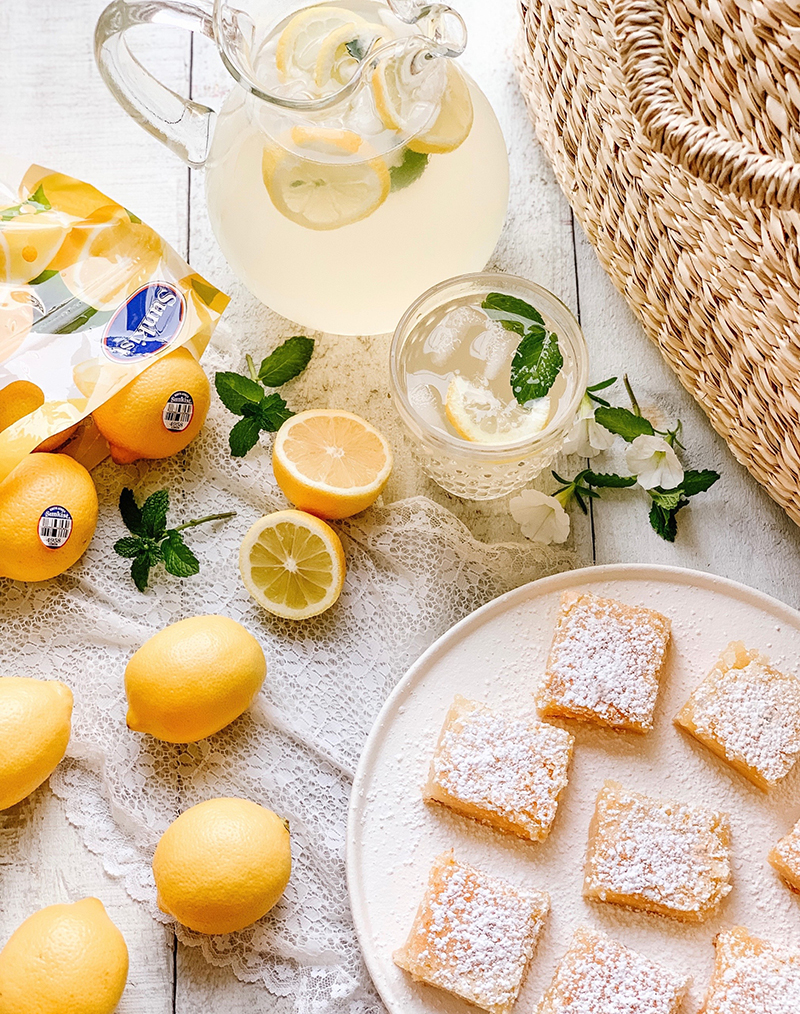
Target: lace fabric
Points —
{"points": [[413, 571]]}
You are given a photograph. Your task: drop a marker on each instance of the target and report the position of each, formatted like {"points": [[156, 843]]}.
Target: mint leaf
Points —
{"points": [[43, 276], [273, 413], [154, 513], [131, 514], [235, 391], [129, 546], [698, 482], [669, 500], [286, 362], [663, 522], [355, 47], [409, 170], [142, 565], [244, 436], [623, 422], [535, 365], [500, 306], [608, 480], [602, 385], [178, 558]]}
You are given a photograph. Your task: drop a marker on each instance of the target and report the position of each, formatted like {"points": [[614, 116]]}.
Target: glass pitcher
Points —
{"points": [[353, 164]]}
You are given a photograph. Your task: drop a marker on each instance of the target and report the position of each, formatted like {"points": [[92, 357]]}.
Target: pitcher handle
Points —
{"points": [[182, 125]]}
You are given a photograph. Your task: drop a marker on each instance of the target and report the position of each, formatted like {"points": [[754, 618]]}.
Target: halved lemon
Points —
{"points": [[303, 37], [28, 243], [477, 414], [325, 195], [330, 463], [293, 564], [454, 122]]}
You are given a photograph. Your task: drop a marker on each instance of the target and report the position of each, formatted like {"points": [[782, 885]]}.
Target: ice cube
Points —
{"points": [[453, 329], [495, 347], [426, 402]]}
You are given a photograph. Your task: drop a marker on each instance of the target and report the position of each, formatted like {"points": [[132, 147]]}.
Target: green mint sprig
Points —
{"points": [[151, 542], [245, 395], [667, 502], [538, 360]]}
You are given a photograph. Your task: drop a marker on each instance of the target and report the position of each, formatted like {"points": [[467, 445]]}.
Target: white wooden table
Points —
{"points": [[56, 111]]}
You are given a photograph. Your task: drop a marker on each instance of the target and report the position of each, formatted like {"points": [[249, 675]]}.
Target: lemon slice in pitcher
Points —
{"points": [[303, 37], [292, 563], [325, 195], [478, 415], [454, 122]]}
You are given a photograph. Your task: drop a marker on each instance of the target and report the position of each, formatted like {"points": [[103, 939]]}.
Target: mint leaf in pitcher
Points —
{"points": [[409, 170]]}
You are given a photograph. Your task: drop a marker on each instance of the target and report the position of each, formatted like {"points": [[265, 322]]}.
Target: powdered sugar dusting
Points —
{"points": [[604, 663], [753, 977], [474, 934], [502, 766], [662, 856], [751, 711], [788, 850], [599, 976]]}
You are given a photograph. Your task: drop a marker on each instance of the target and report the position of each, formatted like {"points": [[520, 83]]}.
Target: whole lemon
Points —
{"points": [[48, 514], [64, 959], [20, 398], [193, 678], [222, 865], [35, 723], [159, 413]]}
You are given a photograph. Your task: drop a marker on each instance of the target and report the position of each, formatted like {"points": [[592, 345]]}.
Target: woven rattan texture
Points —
{"points": [[711, 271]]}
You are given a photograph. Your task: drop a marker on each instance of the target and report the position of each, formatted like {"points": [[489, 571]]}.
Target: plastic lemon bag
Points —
{"points": [[89, 297]]}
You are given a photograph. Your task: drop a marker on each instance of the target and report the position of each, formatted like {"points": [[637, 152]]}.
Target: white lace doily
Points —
{"points": [[413, 570]]}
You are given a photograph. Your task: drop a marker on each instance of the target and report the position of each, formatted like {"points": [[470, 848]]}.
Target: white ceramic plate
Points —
{"points": [[496, 655]]}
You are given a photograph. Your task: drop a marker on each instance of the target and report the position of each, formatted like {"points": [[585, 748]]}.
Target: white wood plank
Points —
{"points": [[735, 529]]}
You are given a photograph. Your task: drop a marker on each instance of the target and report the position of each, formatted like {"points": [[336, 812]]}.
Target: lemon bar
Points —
{"points": [[752, 976], [504, 770], [748, 714], [473, 935], [785, 857], [661, 857], [597, 975], [604, 663]]}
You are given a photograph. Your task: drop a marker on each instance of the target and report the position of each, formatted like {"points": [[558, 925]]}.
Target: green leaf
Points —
{"points": [[668, 500], [602, 385], [38, 201], [698, 482], [355, 47], [244, 436], [663, 522], [273, 412], [235, 391], [513, 325], [142, 565], [154, 513], [500, 306], [623, 422], [286, 362], [43, 276], [535, 365], [409, 170], [131, 513], [134, 218], [178, 558], [608, 480], [129, 547]]}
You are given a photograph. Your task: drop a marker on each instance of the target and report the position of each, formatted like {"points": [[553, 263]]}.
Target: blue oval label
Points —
{"points": [[143, 325], [55, 526]]}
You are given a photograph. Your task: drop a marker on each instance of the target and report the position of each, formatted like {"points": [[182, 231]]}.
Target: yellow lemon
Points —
{"points": [[307, 33], [35, 722], [28, 243], [193, 678], [331, 463], [107, 257], [48, 514], [20, 398], [65, 193], [159, 413], [222, 865], [477, 414], [64, 959], [292, 564], [454, 121]]}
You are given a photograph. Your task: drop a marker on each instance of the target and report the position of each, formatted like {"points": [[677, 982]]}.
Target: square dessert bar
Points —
{"points": [[660, 857], [597, 975], [473, 935], [751, 976], [604, 663], [785, 858], [503, 770], [748, 714]]}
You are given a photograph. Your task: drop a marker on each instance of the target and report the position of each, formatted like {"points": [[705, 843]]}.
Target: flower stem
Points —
{"points": [[251, 366], [631, 395], [202, 521]]}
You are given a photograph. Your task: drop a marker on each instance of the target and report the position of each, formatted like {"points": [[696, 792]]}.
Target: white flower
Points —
{"points": [[587, 437], [541, 517], [654, 462]]}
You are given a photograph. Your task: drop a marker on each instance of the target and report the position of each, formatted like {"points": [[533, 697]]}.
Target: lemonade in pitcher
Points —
{"points": [[354, 163]]}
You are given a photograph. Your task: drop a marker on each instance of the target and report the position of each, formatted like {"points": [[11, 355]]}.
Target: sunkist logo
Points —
{"points": [[143, 325]]}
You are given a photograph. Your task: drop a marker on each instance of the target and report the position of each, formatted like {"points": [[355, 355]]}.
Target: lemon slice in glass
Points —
{"points": [[477, 414], [325, 195], [292, 563], [454, 122], [303, 37]]}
